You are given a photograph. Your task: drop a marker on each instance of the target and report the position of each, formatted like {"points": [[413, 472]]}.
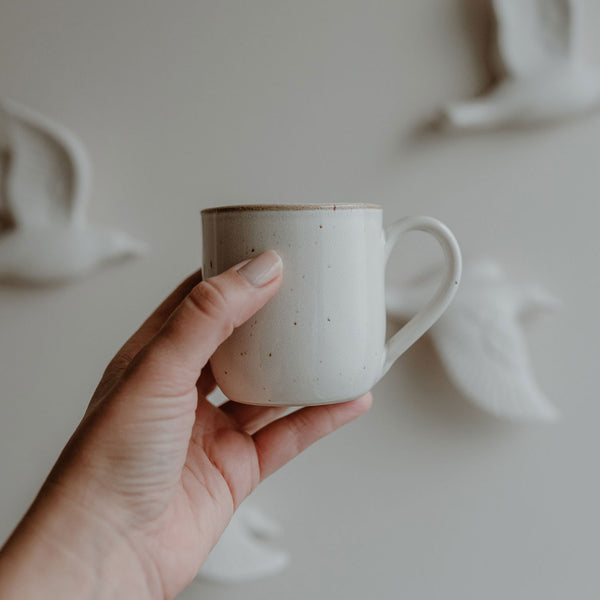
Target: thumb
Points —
{"points": [[171, 363]]}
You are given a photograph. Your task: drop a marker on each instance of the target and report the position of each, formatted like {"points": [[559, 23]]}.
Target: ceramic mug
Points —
{"points": [[321, 338]]}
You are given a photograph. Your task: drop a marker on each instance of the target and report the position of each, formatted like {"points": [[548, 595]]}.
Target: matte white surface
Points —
{"points": [[481, 339], [188, 104], [247, 550], [542, 78], [45, 184]]}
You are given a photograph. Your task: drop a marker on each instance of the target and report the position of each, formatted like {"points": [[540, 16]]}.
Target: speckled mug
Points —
{"points": [[321, 339]]}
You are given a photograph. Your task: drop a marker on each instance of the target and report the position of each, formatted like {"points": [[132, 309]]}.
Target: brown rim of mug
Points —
{"points": [[283, 207]]}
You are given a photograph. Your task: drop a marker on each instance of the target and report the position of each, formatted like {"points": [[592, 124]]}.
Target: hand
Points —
{"points": [[154, 472]]}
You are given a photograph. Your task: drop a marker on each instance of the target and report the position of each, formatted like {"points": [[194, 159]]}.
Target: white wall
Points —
{"points": [[187, 104]]}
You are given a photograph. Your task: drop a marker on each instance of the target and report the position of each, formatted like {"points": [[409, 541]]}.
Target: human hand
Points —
{"points": [[154, 472]]}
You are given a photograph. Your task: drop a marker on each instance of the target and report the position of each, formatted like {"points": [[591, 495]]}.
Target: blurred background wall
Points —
{"points": [[187, 104]]}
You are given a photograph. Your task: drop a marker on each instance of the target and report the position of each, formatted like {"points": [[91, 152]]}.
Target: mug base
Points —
{"points": [[298, 404]]}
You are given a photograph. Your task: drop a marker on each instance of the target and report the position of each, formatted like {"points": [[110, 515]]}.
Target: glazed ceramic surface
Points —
{"points": [[321, 339]]}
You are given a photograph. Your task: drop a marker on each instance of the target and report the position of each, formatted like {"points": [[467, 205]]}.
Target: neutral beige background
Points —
{"points": [[186, 104]]}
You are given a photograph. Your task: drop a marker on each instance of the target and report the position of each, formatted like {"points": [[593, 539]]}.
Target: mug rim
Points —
{"points": [[289, 207]]}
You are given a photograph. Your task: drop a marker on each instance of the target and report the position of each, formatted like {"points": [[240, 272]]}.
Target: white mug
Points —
{"points": [[321, 338]]}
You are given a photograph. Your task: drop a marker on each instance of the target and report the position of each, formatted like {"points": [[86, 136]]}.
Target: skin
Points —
{"points": [[153, 473]]}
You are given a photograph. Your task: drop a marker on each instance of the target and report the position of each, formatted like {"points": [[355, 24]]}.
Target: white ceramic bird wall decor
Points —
{"points": [[542, 75], [45, 185], [245, 550], [480, 339]]}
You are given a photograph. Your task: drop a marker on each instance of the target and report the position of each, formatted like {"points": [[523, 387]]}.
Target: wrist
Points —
{"points": [[61, 549]]}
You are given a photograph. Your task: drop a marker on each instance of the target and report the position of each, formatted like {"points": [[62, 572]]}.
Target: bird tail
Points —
{"points": [[476, 114]]}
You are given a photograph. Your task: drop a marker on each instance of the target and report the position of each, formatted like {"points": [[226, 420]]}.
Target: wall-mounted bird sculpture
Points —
{"points": [[480, 339], [245, 550], [542, 75], [45, 185]]}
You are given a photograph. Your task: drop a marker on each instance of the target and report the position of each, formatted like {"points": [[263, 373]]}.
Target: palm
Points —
{"points": [[220, 470]]}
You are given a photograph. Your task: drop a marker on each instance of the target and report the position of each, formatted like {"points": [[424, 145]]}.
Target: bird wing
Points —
{"points": [[48, 177], [485, 354], [532, 34]]}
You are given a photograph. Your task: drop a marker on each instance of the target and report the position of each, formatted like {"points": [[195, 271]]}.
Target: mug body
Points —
{"points": [[321, 338]]}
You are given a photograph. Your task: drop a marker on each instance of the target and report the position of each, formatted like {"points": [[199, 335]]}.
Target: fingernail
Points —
{"points": [[262, 269]]}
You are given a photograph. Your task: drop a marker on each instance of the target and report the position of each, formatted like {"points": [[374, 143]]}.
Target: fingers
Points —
{"points": [[171, 363], [252, 418], [285, 438]]}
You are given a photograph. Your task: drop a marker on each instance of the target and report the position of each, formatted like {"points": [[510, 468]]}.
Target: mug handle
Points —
{"points": [[433, 310]]}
